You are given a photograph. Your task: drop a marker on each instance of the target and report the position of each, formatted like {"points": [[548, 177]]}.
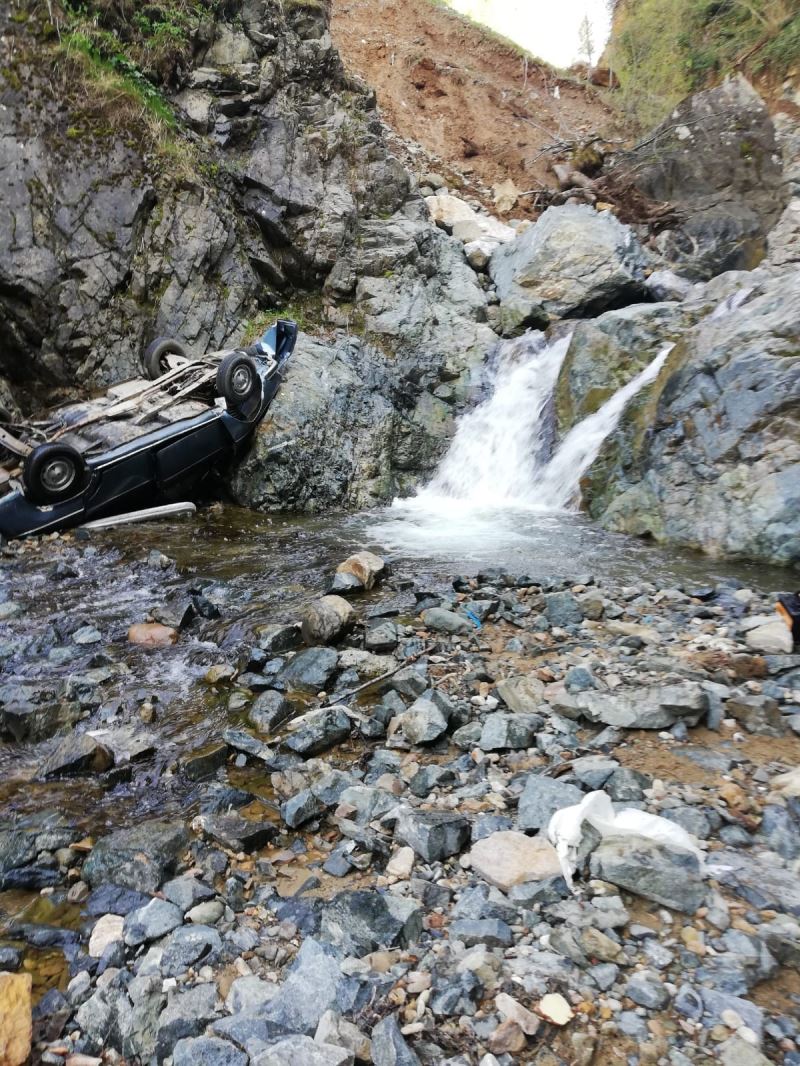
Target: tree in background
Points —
{"points": [[585, 41]]}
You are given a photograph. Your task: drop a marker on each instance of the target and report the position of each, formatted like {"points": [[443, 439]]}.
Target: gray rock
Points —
{"points": [[303, 1051], [77, 754], [388, 1047], [187, 891], [715, 159], [574, 261], [423, 722], [492, 932], [362, 921], [319, 732], [309, 670], [541, 798], [655, 707], [234, 832], [686, 483], [269, 710], [187, 1013], [207, 1051], [250, 993], [326, 620], [443, 621], [138, 857], [758, 879], [523, 694], [301, 808], [152, 921], [509, 731], [314, 984], [593, 771], [644, 868], [190, 945], [432, 834], [646, 989], [562, 609]]}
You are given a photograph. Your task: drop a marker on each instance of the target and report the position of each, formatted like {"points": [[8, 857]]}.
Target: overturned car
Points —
{"points": [[144, 441]]}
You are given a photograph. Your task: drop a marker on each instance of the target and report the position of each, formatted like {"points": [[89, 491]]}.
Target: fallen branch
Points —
{"points": [[383, 677]]}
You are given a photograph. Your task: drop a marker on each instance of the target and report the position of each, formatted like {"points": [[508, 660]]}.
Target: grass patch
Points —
{"points": [[662, 50], [305, 310]]}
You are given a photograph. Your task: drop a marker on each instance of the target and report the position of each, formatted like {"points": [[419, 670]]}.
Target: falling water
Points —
{"points": [[558, 485], [500, 445]]}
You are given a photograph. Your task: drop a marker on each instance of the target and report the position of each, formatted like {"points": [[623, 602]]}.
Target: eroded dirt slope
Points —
{"points": [[464, 95]]}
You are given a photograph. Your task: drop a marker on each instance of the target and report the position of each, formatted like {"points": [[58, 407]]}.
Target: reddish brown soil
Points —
{"points": [[464, 95]]}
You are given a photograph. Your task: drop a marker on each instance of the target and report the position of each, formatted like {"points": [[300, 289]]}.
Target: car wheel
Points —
{"points": [[237, 380], [155, 355], [54, 472]]}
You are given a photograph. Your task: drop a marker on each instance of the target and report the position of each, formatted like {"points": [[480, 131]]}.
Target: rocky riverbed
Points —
{"points": [[269, 825]]}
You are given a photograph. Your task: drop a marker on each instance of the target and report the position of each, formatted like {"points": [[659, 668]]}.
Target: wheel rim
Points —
{"points": [[241, 380], [59, 474]]}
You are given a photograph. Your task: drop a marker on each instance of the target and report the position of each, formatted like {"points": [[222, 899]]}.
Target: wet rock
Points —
{"points": [[150, 922], [366, 567], [541, 798], [319, 731], [508, 858], [208, 1051], [270, 710], [640, 866], [234, 832], [204, 762], [383, 636], [242, 741], [685, 483], [152, 635], [309, 670], [573, 262], [10, 959], [326, 620], [301, 808], [363, 921], [275, 638], [432, 834], [389, 1047], [77, 754], [137, 858], [509, 731], [15, 1018], [114, 899], [443, 621]]}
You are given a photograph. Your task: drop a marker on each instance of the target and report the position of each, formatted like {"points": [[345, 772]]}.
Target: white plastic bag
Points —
{"points": [[565, 829]]}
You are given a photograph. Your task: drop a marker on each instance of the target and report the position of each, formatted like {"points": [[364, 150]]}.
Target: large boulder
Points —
{"points": [[714, 158], [573, 262], [715, 462], [137, 858]]}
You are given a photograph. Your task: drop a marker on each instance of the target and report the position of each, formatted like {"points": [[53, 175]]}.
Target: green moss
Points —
{"points": [[12, 79]]}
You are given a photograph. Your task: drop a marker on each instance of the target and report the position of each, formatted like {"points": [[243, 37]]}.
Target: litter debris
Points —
{"points": [[566, 828]]}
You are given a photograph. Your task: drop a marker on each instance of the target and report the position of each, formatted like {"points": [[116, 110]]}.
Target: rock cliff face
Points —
{"points": [[275, 179]]}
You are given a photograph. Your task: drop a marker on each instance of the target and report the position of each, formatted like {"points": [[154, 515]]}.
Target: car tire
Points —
{"points": [[53, 473], [237, 380], [155, 355]]}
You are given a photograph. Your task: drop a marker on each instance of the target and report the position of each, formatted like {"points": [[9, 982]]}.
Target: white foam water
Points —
{"points": [[499, 446]]}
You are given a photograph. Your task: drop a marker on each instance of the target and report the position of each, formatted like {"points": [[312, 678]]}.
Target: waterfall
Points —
{"points": [[558, 486], [500, 445], [498, 456]]}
